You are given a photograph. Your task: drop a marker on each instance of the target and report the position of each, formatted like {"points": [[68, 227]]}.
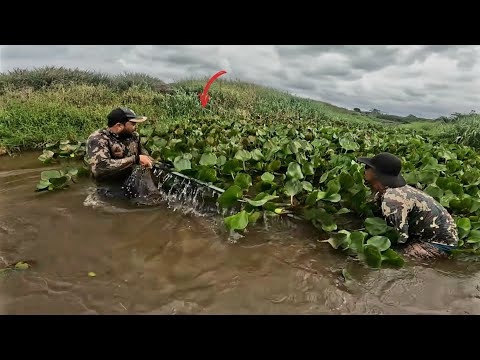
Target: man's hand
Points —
{"points": [[146, 161]]}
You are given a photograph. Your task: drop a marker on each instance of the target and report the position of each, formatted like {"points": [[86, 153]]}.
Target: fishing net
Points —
{"points": [[140, 187]]}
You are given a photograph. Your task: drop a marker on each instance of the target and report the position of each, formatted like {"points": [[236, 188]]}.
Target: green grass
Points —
{"points": [[51, 104], [49, 75], [464, 130]]}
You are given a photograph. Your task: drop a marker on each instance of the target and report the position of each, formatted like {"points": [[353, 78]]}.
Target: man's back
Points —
{"points": [[417, 215], [110, 156]]}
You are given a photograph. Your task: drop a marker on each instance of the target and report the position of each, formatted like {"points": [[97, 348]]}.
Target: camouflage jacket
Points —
{"points": [[111, 158], [417, 216]]}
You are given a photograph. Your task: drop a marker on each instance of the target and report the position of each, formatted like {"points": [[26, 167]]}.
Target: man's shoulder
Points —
{"points": [[406, 195], [399, 195], [97, 134]]}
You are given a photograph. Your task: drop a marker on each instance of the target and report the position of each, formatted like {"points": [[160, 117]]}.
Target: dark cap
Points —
{"points": [[122, 115], [387, 168]]}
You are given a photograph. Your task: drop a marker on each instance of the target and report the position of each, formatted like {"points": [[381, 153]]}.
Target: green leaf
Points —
{"points": [[72, 172], [329, 227], [50, 174], [333, 187], [274, 165], [294, 171], [293, 187], [410, 178], [380, 242], [243, 180], [207, 174], [427, 177], [262, 201], [46, 156], [343, 211], [307, 186], [231, 166], [434, 191], [253, 217], [346, 181], [373, 257], [393, 235], [348, 144], [294, 147], [357, 239], [471, 177], [464, 225], [208, 159], [324, 177], [346, 275], [230, 196], [333, 198], [181, 164], [268, 177], [243, 155], [221, 160], [43, 184], [21, 265], [376, 226], [327, 222], [457, 189], [59, 182], [257, 155], [473, 237], [308, 169], [341, 239], [442, 183], [389, 256], [238, 221]]}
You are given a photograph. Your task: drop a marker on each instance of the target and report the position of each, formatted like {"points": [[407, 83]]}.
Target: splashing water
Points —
{"points": [[186, 195], [158, 186]]}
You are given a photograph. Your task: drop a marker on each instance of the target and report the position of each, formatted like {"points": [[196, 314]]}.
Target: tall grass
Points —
{"points": [[46, 76], [50, 104], [465, 130]]}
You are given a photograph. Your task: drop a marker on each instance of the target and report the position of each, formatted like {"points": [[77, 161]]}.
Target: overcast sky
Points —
{"points": [[424, 80]]}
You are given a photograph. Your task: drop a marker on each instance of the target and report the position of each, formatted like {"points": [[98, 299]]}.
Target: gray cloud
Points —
{"points": [[424, 80]]}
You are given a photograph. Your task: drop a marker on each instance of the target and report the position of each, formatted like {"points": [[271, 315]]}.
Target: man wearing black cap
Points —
{"points": [[417, 216], [112, 152]]}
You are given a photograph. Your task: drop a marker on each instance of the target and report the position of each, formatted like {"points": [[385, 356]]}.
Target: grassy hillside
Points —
{"points": [[52, 104]]}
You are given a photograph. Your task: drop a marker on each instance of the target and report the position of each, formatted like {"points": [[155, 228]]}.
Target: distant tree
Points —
{"points": [[357, 110]]}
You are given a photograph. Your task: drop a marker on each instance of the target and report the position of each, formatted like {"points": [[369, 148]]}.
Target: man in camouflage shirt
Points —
{"points": [[418, 217], [114, 151]]}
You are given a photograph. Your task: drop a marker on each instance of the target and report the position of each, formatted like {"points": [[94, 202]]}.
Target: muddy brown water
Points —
{"points": [[159, 261]]}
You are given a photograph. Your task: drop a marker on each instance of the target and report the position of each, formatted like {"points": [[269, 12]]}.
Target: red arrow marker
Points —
{"points": [[204, 96]]}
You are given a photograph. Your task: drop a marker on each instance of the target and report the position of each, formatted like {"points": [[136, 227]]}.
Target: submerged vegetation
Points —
{"points": [[274, 154]]}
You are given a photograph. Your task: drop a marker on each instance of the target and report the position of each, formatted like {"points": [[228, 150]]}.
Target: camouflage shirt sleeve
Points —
{"points": [[100, 161], [395, 211]]}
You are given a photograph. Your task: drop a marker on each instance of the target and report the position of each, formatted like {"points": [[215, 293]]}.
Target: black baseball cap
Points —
{"points": [[122, 115], [387, 168]]}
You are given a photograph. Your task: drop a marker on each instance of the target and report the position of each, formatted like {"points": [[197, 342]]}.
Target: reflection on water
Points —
{"points": [[154, 260]]}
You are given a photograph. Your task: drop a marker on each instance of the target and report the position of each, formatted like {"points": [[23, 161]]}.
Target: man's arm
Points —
{"points": [[100, 161], [395, 212]]}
